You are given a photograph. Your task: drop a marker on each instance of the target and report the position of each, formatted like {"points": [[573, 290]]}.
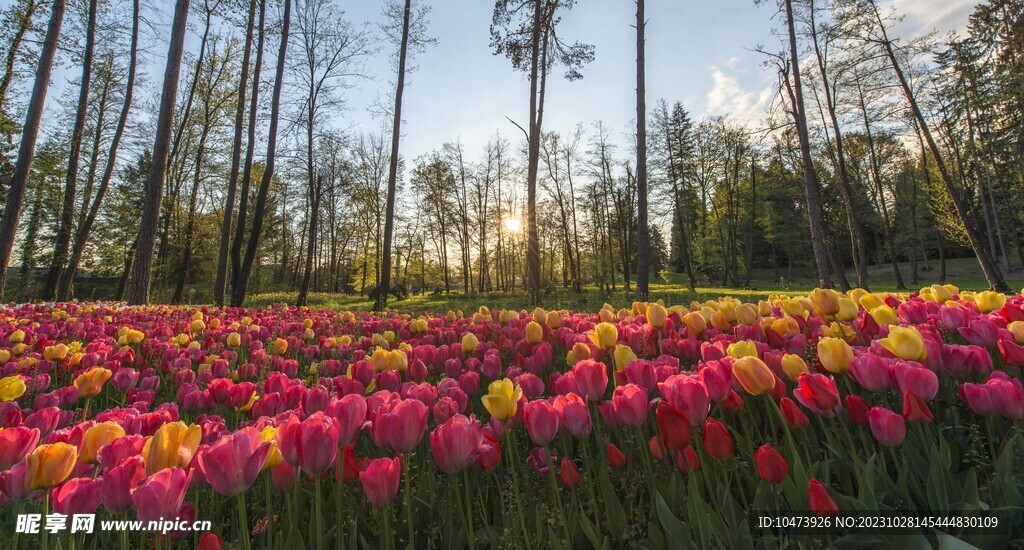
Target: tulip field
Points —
{"points": [[820, 419]]}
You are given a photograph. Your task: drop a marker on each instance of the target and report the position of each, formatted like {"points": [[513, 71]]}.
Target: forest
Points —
{"points": [[231, 176]]}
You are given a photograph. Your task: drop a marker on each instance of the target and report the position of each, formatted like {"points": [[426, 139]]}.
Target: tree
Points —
{"points": [[413, 33], [138, 292], [84, 228], [29, 133], [236, 156], [643, 231], [242, 282], [521, 34], [67, 211]]}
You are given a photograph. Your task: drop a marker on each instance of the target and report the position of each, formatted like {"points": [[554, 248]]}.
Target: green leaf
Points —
{"points": [[675, 530], [612, 507]]}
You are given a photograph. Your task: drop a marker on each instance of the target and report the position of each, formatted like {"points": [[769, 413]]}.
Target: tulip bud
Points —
{"points": [[819, 500], [770, 465], [615, 456]]}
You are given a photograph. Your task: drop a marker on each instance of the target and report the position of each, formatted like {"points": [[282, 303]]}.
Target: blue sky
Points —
{"points": [[698, 51]]}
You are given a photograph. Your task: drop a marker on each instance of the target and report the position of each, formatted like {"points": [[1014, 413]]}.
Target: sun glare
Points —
{"points": [[513, 224]]}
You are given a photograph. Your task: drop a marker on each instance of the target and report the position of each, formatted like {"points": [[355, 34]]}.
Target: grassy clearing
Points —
{"points": [[961, 272]]}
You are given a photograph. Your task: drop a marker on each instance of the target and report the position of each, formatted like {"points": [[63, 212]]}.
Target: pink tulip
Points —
{"points": [[591, 378], [400, 425], [232, 464], [960, 361], [380, 480], [630, 403], [80, 495], [871, 372], [311, 444], [119, 482], [15, 443], [541, 421], [643, 374], [717, 379], [160, 495], [12, 482], [687, 394], [818, 393], [457, 443], [889, 428], [981, 332], [350, 412], [911, 376], [573, 414]]}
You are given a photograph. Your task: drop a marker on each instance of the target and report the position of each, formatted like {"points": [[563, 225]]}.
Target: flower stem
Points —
{"points": [[243, 522], [319, 518], [408, 503], [470, 532]]}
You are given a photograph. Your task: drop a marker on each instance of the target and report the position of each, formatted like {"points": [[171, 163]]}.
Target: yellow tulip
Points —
{"points": [[605, 335], [268, 435], [1017, 329], [753, 375], [539, 315], [990, 300], [197, 326], [834, 354], [91, 381], [905, 343], [826, 301], [398, 360], [747, 314], [17, 337], [380, 359], [5, 356], [695, 323], [836, 330], [764, 308], [793, 366], [97, 437], [848, 309], [55, 353], [883, 315], [469, 342], [172, 446], [623, 356], [870, 301], [606, 315], [793, 307], [785, 326], [502, 399], [743, 348], [280, 346], [579, 352], [11, 388], [553, 320], [720, 320], [534, 332], [657, 315], [234, 340], [943, 293], [49, 465]]}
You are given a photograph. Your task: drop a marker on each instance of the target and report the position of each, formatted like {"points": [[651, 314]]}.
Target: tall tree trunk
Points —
{"points": [[220, 281], [533, 157], [643, 249], [29, 133], [138, 293], [988, 266], [24, 25], [238, 290], [67, 211], [314, 219], [389, 215], [82, 235], [811, 189]]}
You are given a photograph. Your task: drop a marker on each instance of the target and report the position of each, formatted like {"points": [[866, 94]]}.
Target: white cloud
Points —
{"points": [[924, 16], [728, 97]]}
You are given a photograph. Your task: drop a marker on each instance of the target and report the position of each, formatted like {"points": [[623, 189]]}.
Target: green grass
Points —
{"points": [[963, 272]]}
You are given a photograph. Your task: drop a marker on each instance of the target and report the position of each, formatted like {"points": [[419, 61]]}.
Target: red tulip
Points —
{"points": [[615, 456], [791, 413], [657, 448], [80, 495], [673, 425], [915, 409], [380, 480], [541, 421], [570, 475], [1012, 354], [15, 444], [818, 393], [232, 464], [858, 409], [119, 482], [770, 465], [282, 476], [399, 425], [819, 500], [687, 460], [716, 440], [210, 541], [491, 457], [311, 444], [160, 495], [630, 403], [457, 443], [889, 428]]}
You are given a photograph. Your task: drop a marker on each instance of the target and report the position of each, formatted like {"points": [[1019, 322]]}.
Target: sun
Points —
{"points": [[513, 224]]}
